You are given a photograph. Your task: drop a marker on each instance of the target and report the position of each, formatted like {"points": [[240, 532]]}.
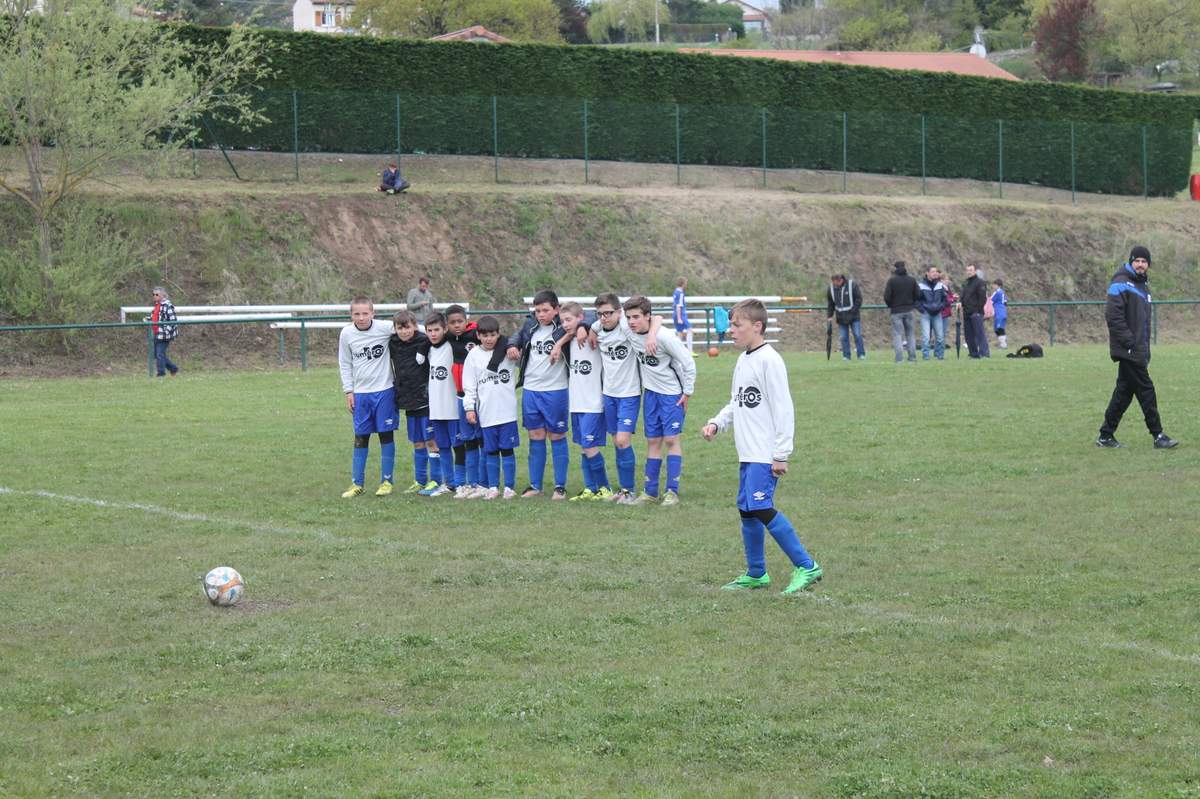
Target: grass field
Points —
{"points": [[1006, 610]]}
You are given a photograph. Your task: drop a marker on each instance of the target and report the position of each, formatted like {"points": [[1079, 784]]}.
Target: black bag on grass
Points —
{"points": [[1028, 351]]}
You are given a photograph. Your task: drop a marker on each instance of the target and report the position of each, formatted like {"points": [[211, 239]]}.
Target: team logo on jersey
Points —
{"points": [[543, 347], [619, 352], [505, 376], [749, 397], [439, 373], [371, 353], [582, 367], [649, 360], [759, 496]]}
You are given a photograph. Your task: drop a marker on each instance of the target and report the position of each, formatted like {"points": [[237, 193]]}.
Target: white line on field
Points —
{"points": [[323, 535]]}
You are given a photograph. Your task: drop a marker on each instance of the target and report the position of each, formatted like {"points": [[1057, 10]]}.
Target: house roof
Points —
{"points": [[958, 63], [475, 33]]}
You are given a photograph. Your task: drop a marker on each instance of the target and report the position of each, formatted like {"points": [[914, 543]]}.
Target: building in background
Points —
{"points": [[322, 17]]}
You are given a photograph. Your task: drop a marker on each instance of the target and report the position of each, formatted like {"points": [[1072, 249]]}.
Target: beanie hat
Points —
{"points": [[1139, 252], [899, 268]]}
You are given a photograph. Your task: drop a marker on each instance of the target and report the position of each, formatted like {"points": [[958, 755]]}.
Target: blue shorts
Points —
{"points": [[621, 414], [445, 433], [663, 416], [501, 436], [466, 431], [756, 487], [545, 410], [375, 412], [687, 325], [419, 428], [587, 429]]}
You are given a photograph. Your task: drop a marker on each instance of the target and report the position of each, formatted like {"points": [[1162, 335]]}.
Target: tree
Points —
{"points": [[572, 21], [1067, 34], [85, 85], [522, 20], [1148, 32], [625, 20]]}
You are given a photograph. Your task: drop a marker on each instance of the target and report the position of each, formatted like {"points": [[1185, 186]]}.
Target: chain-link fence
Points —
{"points": [[343, 136]]}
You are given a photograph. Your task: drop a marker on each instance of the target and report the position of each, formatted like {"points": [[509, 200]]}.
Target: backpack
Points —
{"points": [[1028, 351]]}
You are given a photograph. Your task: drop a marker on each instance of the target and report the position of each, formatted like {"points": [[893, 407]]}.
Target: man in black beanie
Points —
{"points": [[1128, 316]]}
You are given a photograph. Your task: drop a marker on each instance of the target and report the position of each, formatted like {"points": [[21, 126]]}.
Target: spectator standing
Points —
{"points": [[1000, 307], [901, 295], [420, 300], [1127, 313], [974, 297], [845, 304], [930, 306], [951, 303], [162, 314]]}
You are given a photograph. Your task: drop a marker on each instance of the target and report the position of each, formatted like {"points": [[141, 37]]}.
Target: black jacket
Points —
{"points": [[847, 297], [524, 338], [410, 372], [974, 295], [901, 293], [1128, 316]]}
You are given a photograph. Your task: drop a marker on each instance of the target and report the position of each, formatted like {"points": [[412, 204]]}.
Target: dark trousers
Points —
{"points": [[977, 343], [1133, 379], [164, 363]]}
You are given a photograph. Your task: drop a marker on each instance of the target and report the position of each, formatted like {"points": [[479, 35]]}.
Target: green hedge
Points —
{"points": [[348, 87]]}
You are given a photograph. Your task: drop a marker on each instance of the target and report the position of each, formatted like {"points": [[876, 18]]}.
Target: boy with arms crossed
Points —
{"points": [[668, 380], [760, 409], [490, 400], [366, 373], [409, 349], [443, 405]]}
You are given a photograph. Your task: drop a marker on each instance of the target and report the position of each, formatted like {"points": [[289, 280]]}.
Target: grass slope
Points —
{"points": [[1007, 611]]}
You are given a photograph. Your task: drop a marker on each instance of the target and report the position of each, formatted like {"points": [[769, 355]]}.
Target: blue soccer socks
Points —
{"points": [[653, 468], [589, 476], [387, 461], [358, 466], [493, 470], [510, 469], [753, 538], [537, 463], [599, 470], [476, 471], [674, 470], [421, 465], [435, 466], [561, 454], [785, 535], [626, 467]]}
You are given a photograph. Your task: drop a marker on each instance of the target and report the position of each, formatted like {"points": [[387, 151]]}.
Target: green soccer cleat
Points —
{"points": [[384, 489], [670, 499], [586, 495], [802, 578], [645, 499], [602, 493], [746, 582], [353, 491], [414, 488]]}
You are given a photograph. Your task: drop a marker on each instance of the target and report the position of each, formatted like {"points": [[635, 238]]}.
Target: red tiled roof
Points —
{"points": [[470, 34], [958, 63]]}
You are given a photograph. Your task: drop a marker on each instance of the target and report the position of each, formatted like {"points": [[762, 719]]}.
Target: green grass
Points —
{"points": [[1006, 611]]}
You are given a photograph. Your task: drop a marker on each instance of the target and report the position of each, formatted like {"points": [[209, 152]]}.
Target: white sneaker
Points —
{"points": [[491, 493], [442, 491], [462, 492], [509, 493], [479, 492]]}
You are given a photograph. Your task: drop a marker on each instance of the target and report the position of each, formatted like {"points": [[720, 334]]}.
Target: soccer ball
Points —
{"points": [[713, 352], [223, 586]]}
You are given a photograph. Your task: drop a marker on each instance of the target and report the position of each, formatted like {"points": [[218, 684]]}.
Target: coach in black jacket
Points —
{"points": [[974, 297], [1128, 316]]}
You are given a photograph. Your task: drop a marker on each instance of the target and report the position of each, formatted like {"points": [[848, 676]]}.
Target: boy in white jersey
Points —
{"points": [[587, 405], [760, 409], [443, 405], [668, 380], [490, 400], [622, 386], [544, 399], [366, 372]]}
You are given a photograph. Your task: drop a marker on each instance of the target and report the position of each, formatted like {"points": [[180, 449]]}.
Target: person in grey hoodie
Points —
{"points": [[901, 295]]}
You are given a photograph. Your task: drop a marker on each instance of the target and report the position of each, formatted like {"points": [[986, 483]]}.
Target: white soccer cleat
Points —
{"points": [[509, 493], [462, 492], [492, 493]]}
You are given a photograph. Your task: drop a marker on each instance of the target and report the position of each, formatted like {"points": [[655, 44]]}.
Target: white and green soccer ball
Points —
{"points": [[223, 586]]}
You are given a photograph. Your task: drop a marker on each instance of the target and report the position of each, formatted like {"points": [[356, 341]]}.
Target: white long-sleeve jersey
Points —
{"points": [[760, 407], [671, 370], [492, 395], [620, 369], [363, 358]]}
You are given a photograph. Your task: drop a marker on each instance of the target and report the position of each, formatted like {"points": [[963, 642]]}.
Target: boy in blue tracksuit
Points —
{"points": [[1000, 310]]}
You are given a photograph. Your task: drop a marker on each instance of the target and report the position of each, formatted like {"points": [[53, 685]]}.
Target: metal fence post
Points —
{"points": [[1000, 151], [495, 141], [764, 144], [845, 151], [282, 348], [585, 141], [1153, 324], [1145, 168], [150, 350], [1072, 162], [678, 146], [399, 144], [708, 313], [303, 347], [1051, 325], [296, 132], [922, 153]]}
